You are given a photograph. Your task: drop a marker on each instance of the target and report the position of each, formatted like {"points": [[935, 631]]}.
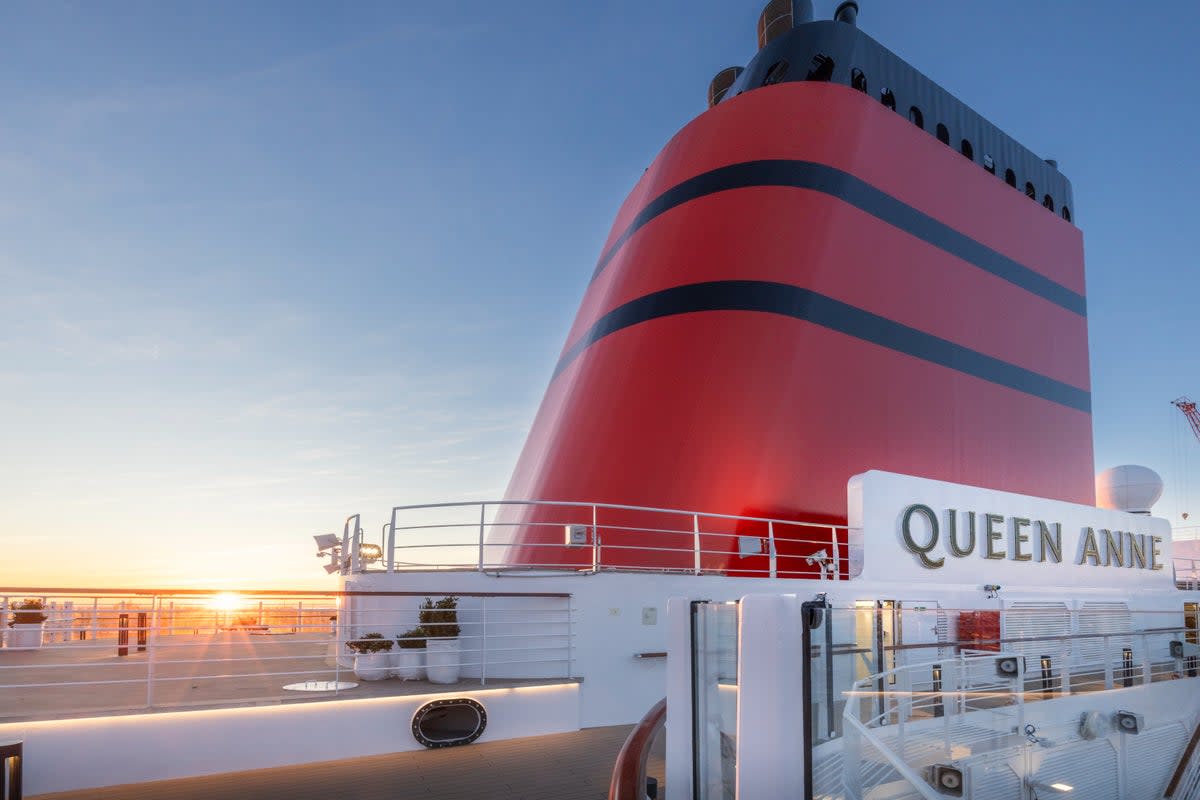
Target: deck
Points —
{"points": [[567, 766]]}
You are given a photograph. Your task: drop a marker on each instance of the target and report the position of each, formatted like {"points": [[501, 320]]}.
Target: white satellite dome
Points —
{"points": [[1128, 488]]}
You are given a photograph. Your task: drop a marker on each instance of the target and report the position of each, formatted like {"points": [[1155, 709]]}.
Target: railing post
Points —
{"points": [[595, 541], [391, 543], [1108, 665], [152, 646], [1064, 667], [837, 553], [482, 518], [1146, 673], [345, 547], [695, 544], [570, 639], [483, 641], [771, 554]]}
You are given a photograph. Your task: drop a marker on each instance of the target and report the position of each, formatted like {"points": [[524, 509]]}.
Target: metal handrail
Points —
{"points": [[828, 559], [629, 771], [904, 770]]}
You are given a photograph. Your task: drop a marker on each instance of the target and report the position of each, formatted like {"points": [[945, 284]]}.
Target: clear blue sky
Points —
{"points": [[267, 264]]}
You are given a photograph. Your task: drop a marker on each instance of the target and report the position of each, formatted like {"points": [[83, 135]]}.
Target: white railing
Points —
{"points": [[113, 651], [1187, 573], [509, 535], [897, 723]]}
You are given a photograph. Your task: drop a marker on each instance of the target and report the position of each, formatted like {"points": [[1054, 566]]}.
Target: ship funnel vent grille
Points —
{"points": [[720, 84], [776, 19]]}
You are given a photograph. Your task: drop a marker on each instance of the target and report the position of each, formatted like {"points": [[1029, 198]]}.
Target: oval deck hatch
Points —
{"points": [[447, 723]]}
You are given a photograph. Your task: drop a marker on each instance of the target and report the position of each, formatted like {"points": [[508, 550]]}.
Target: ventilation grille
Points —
{"points": [[1151, 759], [994, 781], [775, 20], [1027, 620], [1090, 767], [1099, 617]]}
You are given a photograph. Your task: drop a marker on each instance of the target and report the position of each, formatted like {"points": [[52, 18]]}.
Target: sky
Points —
{"points": [[264, 265]]}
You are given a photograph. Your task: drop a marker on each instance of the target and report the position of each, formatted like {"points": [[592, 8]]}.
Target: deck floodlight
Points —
{"points": [[1129, 722], [1181, 649], [370, 552], [326, 541], [332, 568], [947, 780], [1009, 666]]}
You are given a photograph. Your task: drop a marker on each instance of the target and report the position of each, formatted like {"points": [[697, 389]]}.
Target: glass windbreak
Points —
{"points": [[907, 682], [714, 699]]}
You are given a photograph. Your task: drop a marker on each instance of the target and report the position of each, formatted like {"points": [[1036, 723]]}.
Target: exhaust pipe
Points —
{"points": [[847, 12]]}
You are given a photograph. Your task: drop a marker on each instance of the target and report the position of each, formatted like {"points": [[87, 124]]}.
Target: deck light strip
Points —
{"points": [[805, 304], [862, 195]]}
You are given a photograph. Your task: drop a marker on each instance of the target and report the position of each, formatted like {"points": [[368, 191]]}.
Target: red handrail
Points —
{"points": [[629, 773]]}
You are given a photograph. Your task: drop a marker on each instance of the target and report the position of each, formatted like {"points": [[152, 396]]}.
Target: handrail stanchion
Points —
{"points": [[482, 518], [483, 641], [695, 544], [595, 542], [771, 555], [836, 552], [1108, 665], [151, 647], [391, 547]]}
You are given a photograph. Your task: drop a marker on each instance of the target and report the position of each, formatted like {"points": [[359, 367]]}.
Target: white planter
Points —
{"points": [[372, 666], [409, 663], [442, 660], [26, 636]]}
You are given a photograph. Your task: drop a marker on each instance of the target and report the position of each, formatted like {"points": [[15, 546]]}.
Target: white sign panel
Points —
{"points": [[904, 528]]}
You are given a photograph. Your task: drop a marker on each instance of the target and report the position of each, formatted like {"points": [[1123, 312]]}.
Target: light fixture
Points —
{"points": [[1129, 722], [947, 779], [332, 568], [370, 552], [326, 541]]}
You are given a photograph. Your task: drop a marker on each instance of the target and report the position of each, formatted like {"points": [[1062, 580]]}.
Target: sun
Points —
{"points": [[226, 601]]}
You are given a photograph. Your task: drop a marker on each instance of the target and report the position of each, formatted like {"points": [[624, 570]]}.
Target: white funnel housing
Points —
{"points": [[1128, 488]]}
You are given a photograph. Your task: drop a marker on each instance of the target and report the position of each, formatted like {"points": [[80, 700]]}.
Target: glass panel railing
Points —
{"points": [[715, 698]]}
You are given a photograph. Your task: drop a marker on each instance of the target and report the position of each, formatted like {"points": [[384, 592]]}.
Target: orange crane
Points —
{"points": [[1189, 410]]}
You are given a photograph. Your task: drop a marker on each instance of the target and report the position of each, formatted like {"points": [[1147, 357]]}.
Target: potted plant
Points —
{"points": [[372, 654], [28, 623], [410, 658], [439, 618]]}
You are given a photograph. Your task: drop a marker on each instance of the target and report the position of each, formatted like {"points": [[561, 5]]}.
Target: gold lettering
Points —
{"points": [[1114, 549], [1019, 538], [1051, 544], [921, 551], [1137, 550], [952, 533], [1090, 548], [1155, 553], [993, 535]]}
